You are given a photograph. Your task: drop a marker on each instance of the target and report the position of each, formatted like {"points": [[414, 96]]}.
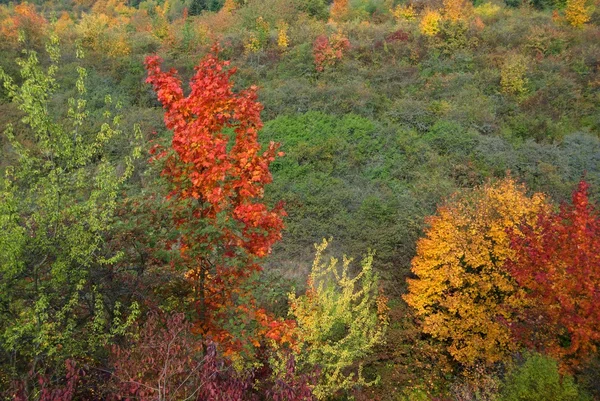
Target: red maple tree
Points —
{"points": [[558, 263], [218, 172]]}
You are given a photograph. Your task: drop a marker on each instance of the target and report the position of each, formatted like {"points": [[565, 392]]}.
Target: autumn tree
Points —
{"points": [[457, 10], [430, 22], [24, 24], [339, 10], [404, 12], [461, 287], [327, 51], [577, 13], [218, 171], [557, 261], [340, 320], [283, 40]]}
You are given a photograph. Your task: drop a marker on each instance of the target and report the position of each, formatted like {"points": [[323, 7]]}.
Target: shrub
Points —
{"points": [[512, 75], [404, 12], [538, 379], [329, 50]]}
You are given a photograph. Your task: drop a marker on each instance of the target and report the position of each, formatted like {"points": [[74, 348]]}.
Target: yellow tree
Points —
{"points": [[462, 291], [576, 13], [430, 22], [283, 40], [404, 12]]}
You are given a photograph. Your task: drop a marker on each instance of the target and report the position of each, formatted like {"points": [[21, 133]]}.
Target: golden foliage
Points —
{"points": [[228, 7], [64, 26], [252, 45], [339, 321], [23, 21], [462, 292], [101, 33], [577, 13], [430, 22], [457, 10], [339, 10], [259, 38], [112, 8], [282, 35], [404, 12]]}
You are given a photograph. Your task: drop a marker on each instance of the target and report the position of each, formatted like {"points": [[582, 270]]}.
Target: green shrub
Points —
{"points": [[538, 379], [448, 137]]}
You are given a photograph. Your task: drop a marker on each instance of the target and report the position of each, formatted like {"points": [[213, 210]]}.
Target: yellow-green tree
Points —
{"points": [[512, 75], [462, 291], [340, 319]]}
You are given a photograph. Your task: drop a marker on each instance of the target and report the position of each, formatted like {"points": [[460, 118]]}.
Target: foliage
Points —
{"points": [[340, 320], [462, 287], [283, 40], [315, 8], [288, 385], [430, 21], [58, 201], [453, 37], [329, 50], [457, 10], [25, 23], [577, 13], [349, 175], [404, 12], [50, 391], [215, 197], [374, 143], [259, 37], [538, 379], [512, 75], [340, 10], [556, 260], [166, 362]]}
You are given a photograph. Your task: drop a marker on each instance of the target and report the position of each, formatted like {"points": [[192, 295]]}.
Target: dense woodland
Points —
{"points": [[182, 179]]}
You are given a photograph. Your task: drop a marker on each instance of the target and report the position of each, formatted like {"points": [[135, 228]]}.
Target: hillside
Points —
{"points": [[440, 137]]}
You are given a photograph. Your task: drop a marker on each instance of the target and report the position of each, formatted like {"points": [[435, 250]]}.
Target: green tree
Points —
{"points": [[538, 379], [197, 6], [57, 202]]}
